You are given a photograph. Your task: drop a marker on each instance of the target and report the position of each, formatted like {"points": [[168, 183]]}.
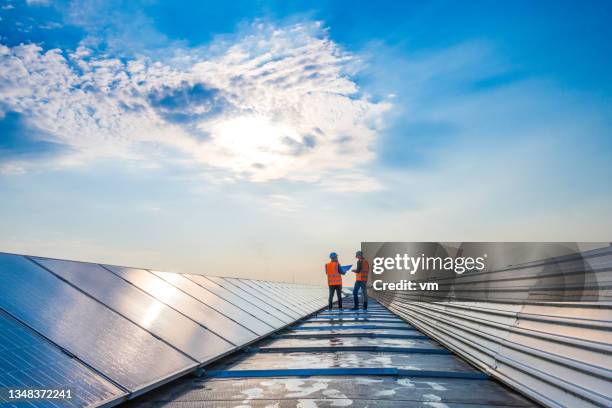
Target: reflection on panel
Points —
{"points": [[237, 301], [215, 302], [265, 297], [295, 301], [89, 330], [301, 294], [301, 297], [187, 305], [29, 361], [251, 299], [141, 308]]}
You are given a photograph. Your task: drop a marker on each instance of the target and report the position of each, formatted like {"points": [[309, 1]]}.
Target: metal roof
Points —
{"points": [[558, 353], [353, 360], [115, 334]]}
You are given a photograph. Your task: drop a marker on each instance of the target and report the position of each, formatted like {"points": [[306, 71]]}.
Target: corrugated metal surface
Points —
{"points": [[558, 353], [124, 331]]}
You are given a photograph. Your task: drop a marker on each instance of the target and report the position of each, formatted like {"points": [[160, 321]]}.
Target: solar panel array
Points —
{"points": [[111, 333]]}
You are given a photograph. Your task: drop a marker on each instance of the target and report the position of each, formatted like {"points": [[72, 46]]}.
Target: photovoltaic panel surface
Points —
{"points": [[119, 349], [246, 295], [186, 304], [141, 308], [236, 300], [268, 298], [295, 302], [27, 360], [221, 305], [313, 296], [122, 331]]}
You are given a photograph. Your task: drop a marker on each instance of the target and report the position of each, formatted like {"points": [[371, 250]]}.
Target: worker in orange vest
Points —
{"points": [[334, 279], [361, 279]]}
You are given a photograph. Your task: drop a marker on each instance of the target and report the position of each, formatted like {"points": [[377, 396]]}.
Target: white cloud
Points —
{"points": [[38, 2], [273, 103], [14, 168]]}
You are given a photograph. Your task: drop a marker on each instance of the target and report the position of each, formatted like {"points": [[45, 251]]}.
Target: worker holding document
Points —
{"points": [[363, 267]]}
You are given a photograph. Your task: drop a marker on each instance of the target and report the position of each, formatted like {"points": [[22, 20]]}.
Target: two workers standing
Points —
{"points": [[333, 270]]}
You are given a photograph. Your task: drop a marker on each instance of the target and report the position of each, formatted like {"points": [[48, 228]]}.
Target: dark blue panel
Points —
{"points": [[236, 300], [95, 334], [246, 295], [28, 360], [188, 305], [141, 308], [266, 297], [294, 302], [219, 304]]}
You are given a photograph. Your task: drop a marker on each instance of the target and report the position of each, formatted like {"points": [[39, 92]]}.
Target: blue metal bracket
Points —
{"points": [[307, 372], [340, 335], [331, 349], [361, 326]]}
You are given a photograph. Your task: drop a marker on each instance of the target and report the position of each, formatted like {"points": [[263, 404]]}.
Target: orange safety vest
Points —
{"points": [[365, 268], [333, 276]]}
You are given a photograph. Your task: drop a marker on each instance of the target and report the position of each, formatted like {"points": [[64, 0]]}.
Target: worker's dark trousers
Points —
{"points": [[364, 292], [337, 289]]}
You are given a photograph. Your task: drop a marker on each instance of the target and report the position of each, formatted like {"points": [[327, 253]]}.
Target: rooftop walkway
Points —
{"points": [[339, 359]]}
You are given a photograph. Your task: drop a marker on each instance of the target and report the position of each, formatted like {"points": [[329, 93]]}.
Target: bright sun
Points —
{"points": [[253, 140]]}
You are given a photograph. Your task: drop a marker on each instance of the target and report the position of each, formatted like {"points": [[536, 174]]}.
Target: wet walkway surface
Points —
{"points": [[338, 358]]}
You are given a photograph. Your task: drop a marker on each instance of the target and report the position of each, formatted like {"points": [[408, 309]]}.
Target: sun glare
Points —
{"points": [[253, 140]]}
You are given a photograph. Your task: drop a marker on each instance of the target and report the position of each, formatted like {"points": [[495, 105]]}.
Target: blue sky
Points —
{"points": [[250, 138]]}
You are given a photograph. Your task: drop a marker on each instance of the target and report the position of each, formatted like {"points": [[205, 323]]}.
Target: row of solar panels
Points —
{"points": [[111, 332]]}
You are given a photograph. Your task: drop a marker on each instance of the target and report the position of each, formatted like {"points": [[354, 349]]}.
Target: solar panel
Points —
{"points": [[236, 300], [184, 303], [307, 293], [271, 292], [266, 297], [215, 302], [317, 297], [314, 299], [27, 360], [251, 299], [141, 308], [119, 349], [310, 300]]}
